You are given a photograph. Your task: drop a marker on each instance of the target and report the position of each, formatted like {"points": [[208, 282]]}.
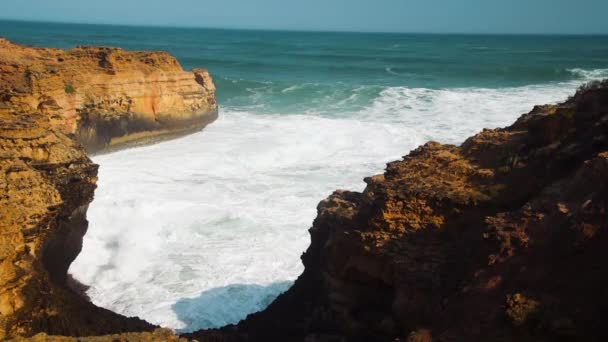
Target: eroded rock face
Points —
{"points": [[46, 184], [503, 238], [53, 102], [106, 97]]}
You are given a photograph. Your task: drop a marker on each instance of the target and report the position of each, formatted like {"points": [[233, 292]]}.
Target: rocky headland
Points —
{"points": [[106, 97], [55, 105], [502, 238], [47, 183]]}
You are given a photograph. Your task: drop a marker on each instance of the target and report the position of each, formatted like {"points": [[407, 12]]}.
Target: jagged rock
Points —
{"points": [[106, 97], [52, 102], [46, 183], [500, 239]]}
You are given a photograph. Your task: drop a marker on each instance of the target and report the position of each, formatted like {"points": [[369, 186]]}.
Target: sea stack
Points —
{"points": [[107, 97]]}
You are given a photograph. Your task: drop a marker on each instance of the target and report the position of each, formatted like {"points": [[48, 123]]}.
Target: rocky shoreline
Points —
{"points": [[55, 106], [502, 238]]}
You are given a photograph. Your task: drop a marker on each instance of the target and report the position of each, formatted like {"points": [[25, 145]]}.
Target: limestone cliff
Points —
{"points": [[501, 239], [46, 183], [106, 97]]}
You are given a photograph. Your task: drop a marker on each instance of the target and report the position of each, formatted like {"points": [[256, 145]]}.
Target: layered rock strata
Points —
{"points": [[46, 183], [503, 238], [106, 97], [53, 102]]}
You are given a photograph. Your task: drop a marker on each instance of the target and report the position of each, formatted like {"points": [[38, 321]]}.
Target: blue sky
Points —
{"points": [[445, 16]]}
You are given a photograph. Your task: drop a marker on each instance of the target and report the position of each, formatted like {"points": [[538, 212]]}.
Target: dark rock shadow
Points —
{"points": [[225, 305]]}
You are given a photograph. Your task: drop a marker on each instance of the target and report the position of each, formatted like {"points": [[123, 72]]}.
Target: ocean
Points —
{"points": [[200, 231]]}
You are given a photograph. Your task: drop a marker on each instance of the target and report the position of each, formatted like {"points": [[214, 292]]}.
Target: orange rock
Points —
{"points": [[46, 183], [49, 101], [107, 97]]}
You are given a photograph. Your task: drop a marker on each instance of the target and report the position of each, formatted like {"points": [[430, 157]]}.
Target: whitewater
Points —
{"points": [[200, 231]]}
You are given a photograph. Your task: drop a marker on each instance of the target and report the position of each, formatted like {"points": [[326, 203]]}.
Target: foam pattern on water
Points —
{"points": [[200, 231]]}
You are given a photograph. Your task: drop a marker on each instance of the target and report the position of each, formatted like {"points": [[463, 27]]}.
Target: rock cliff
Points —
{"points": [[106, 97], [503, 238], [47, 182], [53, 102]]}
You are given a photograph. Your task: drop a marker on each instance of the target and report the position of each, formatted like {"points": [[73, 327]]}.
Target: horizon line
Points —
{"points": [[59, 22]]}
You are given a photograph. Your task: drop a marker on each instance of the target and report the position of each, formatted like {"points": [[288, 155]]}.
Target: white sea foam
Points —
{"points": [[390, 71], [200, 231], [289, 89], [230, 205], [451, 115], [590, 74]]}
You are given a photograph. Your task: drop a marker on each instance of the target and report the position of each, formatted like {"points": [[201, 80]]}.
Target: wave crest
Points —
{"points": [[589, 75]]}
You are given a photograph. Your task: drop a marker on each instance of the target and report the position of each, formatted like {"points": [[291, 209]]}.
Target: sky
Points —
{"points": [[431, 16]]}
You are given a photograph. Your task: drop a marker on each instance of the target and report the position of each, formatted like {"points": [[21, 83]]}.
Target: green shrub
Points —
{"points": [[69, 89]]}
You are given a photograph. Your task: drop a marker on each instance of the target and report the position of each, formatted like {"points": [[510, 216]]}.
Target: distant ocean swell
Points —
{"points": [[414, 107], [327, 98]]}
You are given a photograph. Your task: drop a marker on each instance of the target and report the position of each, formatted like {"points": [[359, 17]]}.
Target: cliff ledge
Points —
{"points": [[106, 97]]}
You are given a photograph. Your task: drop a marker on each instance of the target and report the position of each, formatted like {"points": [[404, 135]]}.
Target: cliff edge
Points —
{"points": [[46, 183], [52, 104], [106, 97]]}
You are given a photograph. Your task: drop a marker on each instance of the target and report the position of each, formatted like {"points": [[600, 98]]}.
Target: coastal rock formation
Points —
{"points": [[52, 102], [106, 97], [500, 239], [47, 182]]}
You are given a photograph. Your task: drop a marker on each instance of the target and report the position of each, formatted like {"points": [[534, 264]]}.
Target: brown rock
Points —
{"points": [[46, 184], [520, 308], [502, 238], [420, 335], [158, 335], [101, 97]]}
